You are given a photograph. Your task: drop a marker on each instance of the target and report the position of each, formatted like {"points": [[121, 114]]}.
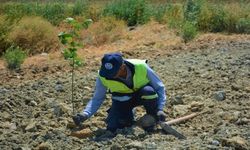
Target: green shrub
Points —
{"points": [[5, 27], [234, 13], [212, 18], [55, 12], [174, 16], [192, 9], [17, 10], [188, 31], [171, 14], [236, 18], [218, 19], [132, 11], [204, 18], [80, 7], [14, 57], [243, 25], [34, 34], [159, 12], [94, 12]]}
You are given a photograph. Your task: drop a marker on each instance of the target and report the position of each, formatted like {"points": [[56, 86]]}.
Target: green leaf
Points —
{"points": [[68, 39], [70, 20], [61, 34], [77, 26], [65, 37], [66, 54], [73, 44], [72, 49], [79, 44], [86, 23], [63, 41], [78, 62], [71, 40]]}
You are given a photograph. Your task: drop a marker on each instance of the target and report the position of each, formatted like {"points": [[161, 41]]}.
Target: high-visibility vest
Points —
{"points": [[139, 78]]}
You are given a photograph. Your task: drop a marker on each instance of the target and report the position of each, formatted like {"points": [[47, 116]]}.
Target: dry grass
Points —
{"points": [[106, 30], [234, 13], [5, 27], [35, 35], [94, 12], [152, 34]]}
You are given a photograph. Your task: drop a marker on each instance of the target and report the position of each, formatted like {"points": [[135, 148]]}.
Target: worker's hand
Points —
{"points": [[79, 118], [161, 116]]}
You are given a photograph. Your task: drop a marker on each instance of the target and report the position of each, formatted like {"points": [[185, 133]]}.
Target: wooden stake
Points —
{"points": [[181, 119]]}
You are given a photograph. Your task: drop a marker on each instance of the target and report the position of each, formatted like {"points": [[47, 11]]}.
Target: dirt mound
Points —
{"points": [[210, 76]]}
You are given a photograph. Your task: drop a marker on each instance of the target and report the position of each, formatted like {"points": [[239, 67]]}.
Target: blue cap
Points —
{"points": [[111, 64]]}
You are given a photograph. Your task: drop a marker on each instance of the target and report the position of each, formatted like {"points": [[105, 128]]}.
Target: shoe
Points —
{"points": [[150, 129]]}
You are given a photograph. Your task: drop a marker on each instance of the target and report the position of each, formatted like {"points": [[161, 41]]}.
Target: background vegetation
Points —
{"points": [[34, 34], [32, 25], [14, 57]]}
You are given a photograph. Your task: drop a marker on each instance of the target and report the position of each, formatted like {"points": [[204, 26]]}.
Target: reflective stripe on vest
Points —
{"points": [[149, 97], [139, 79]]}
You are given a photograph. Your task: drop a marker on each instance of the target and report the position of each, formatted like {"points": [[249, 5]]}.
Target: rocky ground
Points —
{"points": [[210, 76]]}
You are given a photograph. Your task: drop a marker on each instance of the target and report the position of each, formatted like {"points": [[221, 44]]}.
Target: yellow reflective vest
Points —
{"points": [[139, 78]]}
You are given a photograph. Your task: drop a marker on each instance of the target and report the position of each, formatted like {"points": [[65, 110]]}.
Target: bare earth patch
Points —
{"points": [[209, 75]]}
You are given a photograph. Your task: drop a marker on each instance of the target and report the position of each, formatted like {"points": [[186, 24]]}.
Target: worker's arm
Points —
{"points": [[157, 84], [98, 98]]}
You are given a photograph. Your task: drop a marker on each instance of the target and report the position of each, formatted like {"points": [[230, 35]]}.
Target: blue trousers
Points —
{"points": [[120, 114]]}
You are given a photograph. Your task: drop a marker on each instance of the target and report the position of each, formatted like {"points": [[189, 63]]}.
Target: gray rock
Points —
{"points": [[236, 115], [33, 103], [116, 146], [31, 127], [177, 100], [49, 103], [1, 105], [235, 142], [61, 108], [180, 110], [215, 142], [45, 69], [24, 147], [59, 88], [12, 126], [220, 95], [45, 146], [6, 116], [8, 125], [196, 106], [242, 121], [223, 49], [135, 144], [35, 86], [212, 147], [236, 87], [106, 136], [3, 90], [58, 82], [151, 145]]}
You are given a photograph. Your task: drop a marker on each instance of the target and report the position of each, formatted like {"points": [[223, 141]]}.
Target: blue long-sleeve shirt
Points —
{"points": [[100, 93]]}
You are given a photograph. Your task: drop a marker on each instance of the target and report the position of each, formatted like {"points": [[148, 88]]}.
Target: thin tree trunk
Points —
{"points": [[72, 86]]}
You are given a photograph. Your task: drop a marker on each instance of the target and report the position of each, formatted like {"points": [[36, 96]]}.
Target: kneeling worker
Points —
{"points": [[131, 83]]}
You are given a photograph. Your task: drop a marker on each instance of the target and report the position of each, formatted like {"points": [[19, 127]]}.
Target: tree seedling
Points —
{"points": [[71, 43]]}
